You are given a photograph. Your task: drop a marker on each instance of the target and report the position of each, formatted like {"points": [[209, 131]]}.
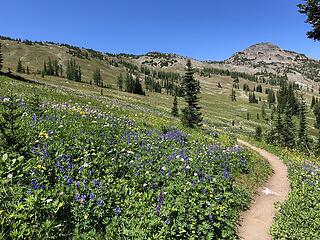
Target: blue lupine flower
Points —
{"points": [[91, 196], [78, 197], [21, 199], [70, 181], [34, 117], [226, 173], [204, 190], [117, 210], [29, 191], [159, 203], [89, 171], [99, 202], [210, 218], [95, 183], [168, 221], [78, 185]]}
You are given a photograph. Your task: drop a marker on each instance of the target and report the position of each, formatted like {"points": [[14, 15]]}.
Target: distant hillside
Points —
{"points": [[267, 57], [262, 62]]}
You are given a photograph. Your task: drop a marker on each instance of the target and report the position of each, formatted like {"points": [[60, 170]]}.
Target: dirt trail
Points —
{"points": [[255, 223]]}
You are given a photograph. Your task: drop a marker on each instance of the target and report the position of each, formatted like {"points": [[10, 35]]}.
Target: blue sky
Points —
{"points": [[202, 29]]}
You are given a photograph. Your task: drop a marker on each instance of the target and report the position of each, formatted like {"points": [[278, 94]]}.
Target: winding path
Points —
{"points": [[255, 223]]}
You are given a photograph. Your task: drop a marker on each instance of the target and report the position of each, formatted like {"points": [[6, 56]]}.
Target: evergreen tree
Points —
{"points": [[175, 110], [303, 142], [258, 134], [248, 116], [316, 111], [137, 87], [19, 66], [97, 77], [288, 129], [271, 97], [233, 95], [311, 8], [317, 146], [191, 115], [120, 81], [313, 102], [1, 57], [279, 129]]}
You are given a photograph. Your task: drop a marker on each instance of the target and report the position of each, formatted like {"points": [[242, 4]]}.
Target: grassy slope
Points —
{"points": [[216, 105]]}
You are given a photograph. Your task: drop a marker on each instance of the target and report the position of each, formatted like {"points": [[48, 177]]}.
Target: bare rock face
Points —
{"points": [[266, 53], [267, 57]]}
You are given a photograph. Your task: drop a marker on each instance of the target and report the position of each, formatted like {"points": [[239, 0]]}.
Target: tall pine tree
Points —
{"points": [[303, 142], [288, 129], [191, 115], [19, 66], [175, 110]]}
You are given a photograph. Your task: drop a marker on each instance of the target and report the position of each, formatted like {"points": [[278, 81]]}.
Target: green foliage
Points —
{"points": [[316, 111], [271, 97], [175, 110], [73, 71], [20, 68], [303, 140], [52, 68], [10, 127], [97, 79], [299, 216], [286, 97], [252, 98], [120, 81], [79, 181], [191, 115], [312, 10], [258, 134]]}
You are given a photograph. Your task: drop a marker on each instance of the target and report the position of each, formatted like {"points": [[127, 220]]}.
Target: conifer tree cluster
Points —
{"points": [[73, 71], [252, 98], [130, 84], [284, 132], [271, 97], [246, 87], [287, 98], [191, 115], [52, 68], [155, 81], [97, 79]]}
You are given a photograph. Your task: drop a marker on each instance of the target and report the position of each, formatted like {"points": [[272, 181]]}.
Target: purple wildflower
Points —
{"points": [[168, 221], [78, 197], [95, 183], [210, 218], [159, 203], [91, 196], [117, 210], [34, 117], [99, 202], [226, 173], [78, 185]]}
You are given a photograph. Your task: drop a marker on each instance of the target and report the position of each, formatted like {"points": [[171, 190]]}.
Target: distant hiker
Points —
{"points": [[233, 123]]}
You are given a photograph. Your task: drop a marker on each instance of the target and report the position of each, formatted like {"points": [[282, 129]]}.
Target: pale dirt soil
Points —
{"points": [[255, 223]]}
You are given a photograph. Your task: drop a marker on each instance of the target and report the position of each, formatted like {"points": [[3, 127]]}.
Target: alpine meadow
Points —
{"points": [[147, 144]]}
